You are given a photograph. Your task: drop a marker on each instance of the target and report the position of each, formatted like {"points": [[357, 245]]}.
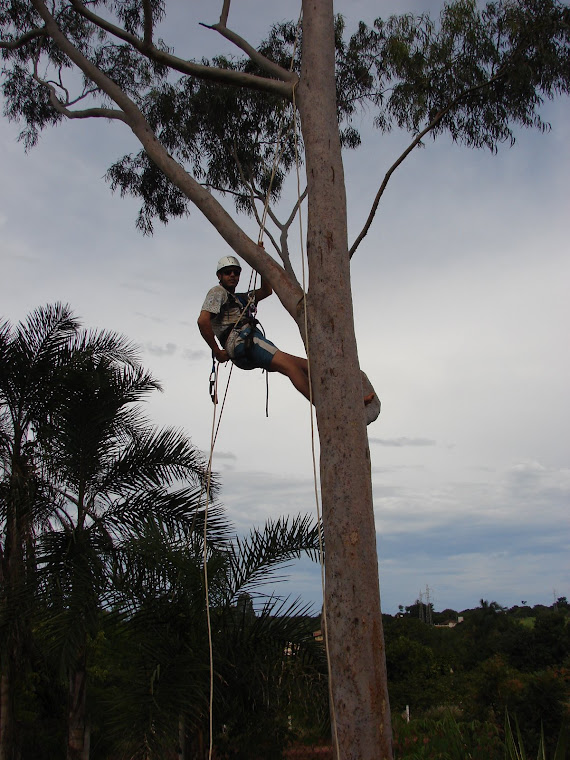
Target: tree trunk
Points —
{"points": [[6, 716], [360, 699], [14, 603], [77, 733], [181, 738], [356, 643]]}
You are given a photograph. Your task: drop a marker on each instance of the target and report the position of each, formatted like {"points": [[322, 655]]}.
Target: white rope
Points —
{"points": [[205, 560], [214, 436], [215, 428]]}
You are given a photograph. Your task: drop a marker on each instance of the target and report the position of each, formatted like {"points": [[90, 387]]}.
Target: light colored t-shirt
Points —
{"points": [[225, 307]]}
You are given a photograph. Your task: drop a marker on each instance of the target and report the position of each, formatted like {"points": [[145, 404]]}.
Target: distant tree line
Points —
{"points": [[496, 659]]}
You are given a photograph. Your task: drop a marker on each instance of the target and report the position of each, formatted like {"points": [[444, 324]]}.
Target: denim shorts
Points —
{"points": [[250, 349]]}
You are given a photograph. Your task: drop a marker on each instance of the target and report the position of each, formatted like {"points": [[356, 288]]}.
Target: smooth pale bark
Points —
{"points": [[356, 642]]}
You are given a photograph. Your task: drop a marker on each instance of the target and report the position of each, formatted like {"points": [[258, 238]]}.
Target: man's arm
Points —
{"points": [[207, 332], [264, 291]]}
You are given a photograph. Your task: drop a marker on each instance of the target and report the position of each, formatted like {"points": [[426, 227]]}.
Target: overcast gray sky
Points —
{"points": [[462, 315]]}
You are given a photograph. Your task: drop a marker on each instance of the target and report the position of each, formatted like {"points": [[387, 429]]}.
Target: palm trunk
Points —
{"points": [[6, 716], [77, 729], [181, 738], [14, 601], [356, 643]]}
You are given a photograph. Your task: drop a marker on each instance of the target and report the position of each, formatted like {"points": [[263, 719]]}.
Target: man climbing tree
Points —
{"points": [[475, 76], [228, 325]]}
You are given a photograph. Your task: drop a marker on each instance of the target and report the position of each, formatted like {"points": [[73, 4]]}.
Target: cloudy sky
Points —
{"points": [[462, 316]]}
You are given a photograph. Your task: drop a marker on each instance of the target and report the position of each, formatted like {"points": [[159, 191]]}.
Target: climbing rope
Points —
{"points": [[215, 428], [213, 383]]}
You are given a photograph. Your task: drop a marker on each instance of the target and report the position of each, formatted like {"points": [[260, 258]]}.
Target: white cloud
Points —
{"points": [[402, 441], [168, 350], [460, 300]]}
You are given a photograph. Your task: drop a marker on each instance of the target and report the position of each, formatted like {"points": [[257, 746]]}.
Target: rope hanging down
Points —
{"points": [[213, 384], [213, 390]]}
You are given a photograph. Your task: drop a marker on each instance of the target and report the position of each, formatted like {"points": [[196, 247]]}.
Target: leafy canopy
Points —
{"points": [[476, 74]]}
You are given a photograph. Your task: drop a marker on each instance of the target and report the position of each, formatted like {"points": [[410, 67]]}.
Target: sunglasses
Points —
{"points": [[231, 270]]}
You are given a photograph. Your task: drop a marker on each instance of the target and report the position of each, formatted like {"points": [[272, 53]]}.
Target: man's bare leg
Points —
{"points": [[293, 367], [297, 370]]}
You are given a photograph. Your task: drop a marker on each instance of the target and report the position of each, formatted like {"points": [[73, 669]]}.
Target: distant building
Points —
{"points": [[450, 623]]}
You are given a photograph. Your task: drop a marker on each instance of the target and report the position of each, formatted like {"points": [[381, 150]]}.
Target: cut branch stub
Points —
{"points": [[372, 410]]}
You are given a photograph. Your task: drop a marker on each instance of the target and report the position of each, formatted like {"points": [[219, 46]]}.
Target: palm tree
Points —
{"points": [[166, 702], [31, 357], [112, 474]]}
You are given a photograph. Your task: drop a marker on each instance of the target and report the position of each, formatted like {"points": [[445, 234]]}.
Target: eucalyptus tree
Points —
{"points": [[475, 75]]}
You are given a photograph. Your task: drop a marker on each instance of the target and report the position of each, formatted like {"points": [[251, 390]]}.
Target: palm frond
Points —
{"points": [[154, 456], [256, 559]]}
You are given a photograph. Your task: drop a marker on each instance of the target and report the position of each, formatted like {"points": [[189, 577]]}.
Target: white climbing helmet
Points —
{"points": [[227, 261]]}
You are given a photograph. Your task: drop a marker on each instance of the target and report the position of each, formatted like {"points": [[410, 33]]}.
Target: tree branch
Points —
{"points": [[284, 286], [208, 73], [147, 10], [433, 123], [298, 202], [225, 13], [255, 194], [272, 68], [23, 40], [283, 252]]}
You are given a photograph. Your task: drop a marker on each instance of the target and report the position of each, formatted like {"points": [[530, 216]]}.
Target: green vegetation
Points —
{"points": [[491, 663], [103, 629]]}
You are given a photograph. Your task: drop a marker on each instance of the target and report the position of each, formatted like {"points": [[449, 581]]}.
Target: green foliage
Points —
{"points": [[476, 74], [515, 748], [483, 666], [110, 554], [446, 738]]}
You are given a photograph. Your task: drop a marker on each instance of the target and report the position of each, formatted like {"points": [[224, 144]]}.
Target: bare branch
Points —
{"points": [[225, 13], [272, 68], [87, 113], [83, 95], [147, 9], [285, 234], [208, 73], [433, 123], [23, 40], [298, 202], [255, 194], [107, 26]]}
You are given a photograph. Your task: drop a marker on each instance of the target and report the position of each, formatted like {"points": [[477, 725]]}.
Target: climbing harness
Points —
{"points": [[213, 384]]}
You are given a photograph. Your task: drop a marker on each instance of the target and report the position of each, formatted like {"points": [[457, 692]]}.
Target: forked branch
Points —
{"points": [[63, 107], [225, 13], [270, 67], [281, 88], [433, 123]]}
